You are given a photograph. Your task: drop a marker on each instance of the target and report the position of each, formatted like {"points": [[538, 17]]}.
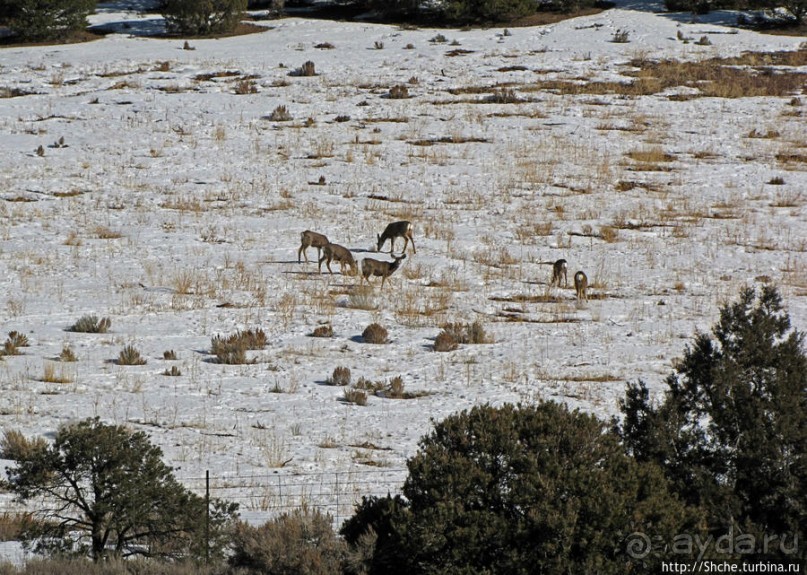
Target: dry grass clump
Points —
{"points": [[504, 96], [340, 376], [129, 355], [454, 334], [398, 92], [49, 374], [12, 525], [651, 155], [375, 333], [280, 114], [91, 324], [445, 342], [15, 446], [67, 354], [323, 331], [14, 342], [395, 390], [246, 85], [307, 69], [173, 372], [232, 350], [621, 37], [753, 74], [355, 396]]}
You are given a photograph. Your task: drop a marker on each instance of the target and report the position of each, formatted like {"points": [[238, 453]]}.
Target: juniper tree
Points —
{"points": [[731, 429]]}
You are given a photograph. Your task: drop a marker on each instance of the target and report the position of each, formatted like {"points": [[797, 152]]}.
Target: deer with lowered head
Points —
{"points": [[394, 230], [309, 239], [371, 267], [340, 254]]}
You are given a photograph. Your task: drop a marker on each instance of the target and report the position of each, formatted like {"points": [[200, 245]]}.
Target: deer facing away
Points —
{"points": [[559, 269], [581, 285], [309, 239], [340, 254], [394, 230], [371, 267]]}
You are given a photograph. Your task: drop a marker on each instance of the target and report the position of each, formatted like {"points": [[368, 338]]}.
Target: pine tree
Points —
{"points": [[46, 19], [104, 490], [731, 430], [202, 17]]}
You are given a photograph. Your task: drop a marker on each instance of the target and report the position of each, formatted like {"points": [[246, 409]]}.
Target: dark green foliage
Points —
{"points": [[731, 430], [534, 489], [107, 493], [202, 17], [486, 11], [380, 522], [46, 19], [302, 542]]}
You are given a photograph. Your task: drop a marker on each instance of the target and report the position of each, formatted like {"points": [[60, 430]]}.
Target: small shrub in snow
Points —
{"points": [[91, 324], [445, 342], [323, 331], [398, 92], [375, 333], [307, 69], [67, 354], [280, 114], [340, 376], [130, 356], [621, 37], [356, 396]]}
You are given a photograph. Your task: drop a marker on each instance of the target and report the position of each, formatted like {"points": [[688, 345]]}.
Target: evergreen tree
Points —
{"points": [[731, 430], [486, 11], [202, 17], [520, 490], [46, 19], [104, 490]]}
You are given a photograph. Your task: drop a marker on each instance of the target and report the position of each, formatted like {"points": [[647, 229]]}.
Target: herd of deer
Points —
{"points": [[328, 252]]}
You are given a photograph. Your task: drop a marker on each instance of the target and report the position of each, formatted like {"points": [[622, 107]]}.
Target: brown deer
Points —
{"points": [[403, 230], [581, 285], [559, 269], [340, 254], [371, 267], [309, 239]]}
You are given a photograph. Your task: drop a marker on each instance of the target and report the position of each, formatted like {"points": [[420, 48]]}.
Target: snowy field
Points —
{"points": [[168, 198]]}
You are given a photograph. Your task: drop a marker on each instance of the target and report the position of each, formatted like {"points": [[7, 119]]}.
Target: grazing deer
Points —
{"points": [[371, 267], [309, 239], [339, 254], [581, 285], [403, 230], [559, 269]]}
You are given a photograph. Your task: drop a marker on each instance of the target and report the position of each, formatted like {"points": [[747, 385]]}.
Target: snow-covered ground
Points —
{"points": [[174, 207]]}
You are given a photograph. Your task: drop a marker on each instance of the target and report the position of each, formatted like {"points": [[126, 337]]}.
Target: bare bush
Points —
{"points": [[375, 333], [340, 376], [91, 324], [129, 355], [302, 541]]}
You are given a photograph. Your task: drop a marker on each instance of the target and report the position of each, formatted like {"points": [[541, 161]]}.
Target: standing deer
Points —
{"points": [[581, 285], [309, 239], [559, 269], [401, 229], [371, 267], [340, 254]]}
